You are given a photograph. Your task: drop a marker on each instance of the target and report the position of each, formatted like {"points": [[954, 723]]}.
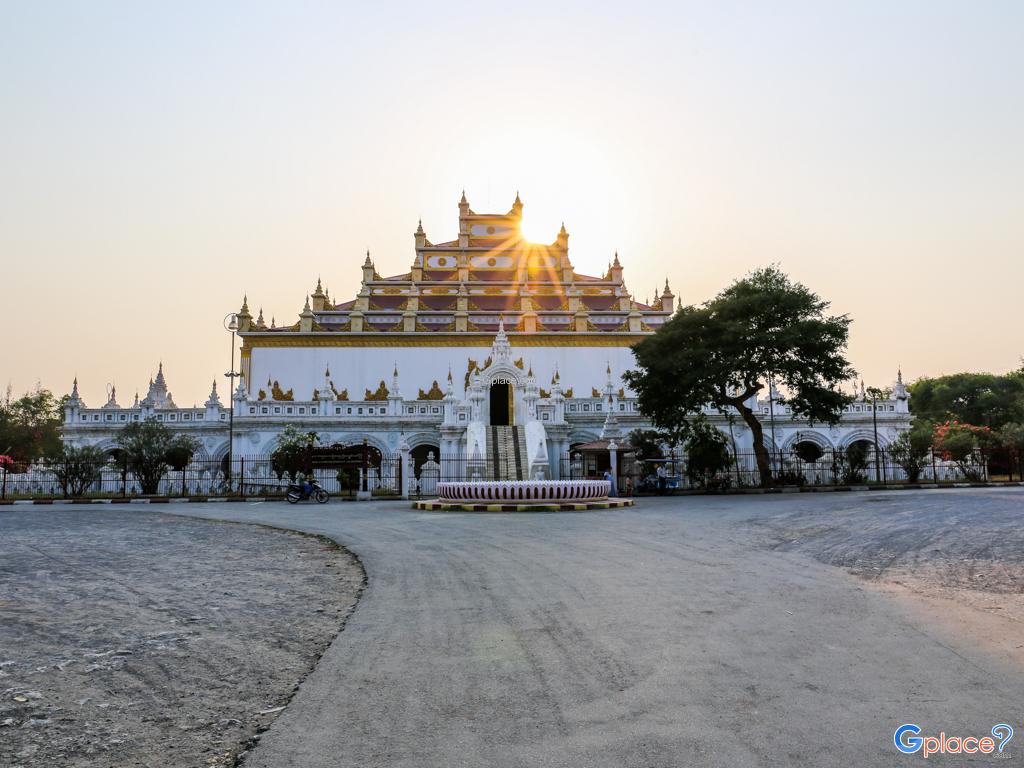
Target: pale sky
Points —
{"points": [[158, 161]]}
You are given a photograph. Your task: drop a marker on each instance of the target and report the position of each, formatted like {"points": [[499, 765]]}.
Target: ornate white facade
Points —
{"points": [[485, 331]]}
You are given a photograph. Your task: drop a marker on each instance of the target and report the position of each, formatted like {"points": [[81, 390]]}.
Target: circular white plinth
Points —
{"points": [[523, 491]]}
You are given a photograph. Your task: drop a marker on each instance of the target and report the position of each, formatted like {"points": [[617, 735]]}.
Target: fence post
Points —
{"points": [[3, 484], [67, 468], [124, 475], [935, 477], [404, 477], [366, 469], [241, 475]]}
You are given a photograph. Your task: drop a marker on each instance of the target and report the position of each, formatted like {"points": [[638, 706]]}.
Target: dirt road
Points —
{"points": [[688, 631]]}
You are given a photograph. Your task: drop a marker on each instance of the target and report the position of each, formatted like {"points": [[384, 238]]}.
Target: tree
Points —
{"points": [[291, 455], [707, 452], [30, 426], [647, 443], [1011, 436], [145, 446], [959, 443], [722, 352], [77, 468], [911, 448], [180, 452], [984, 399], [852, 464]]}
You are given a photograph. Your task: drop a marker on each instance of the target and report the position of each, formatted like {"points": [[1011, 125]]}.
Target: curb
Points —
{"points": [[836, 489], [124, 500]]}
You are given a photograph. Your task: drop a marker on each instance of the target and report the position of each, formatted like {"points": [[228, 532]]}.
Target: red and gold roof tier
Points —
{"points": [[488, 274]]}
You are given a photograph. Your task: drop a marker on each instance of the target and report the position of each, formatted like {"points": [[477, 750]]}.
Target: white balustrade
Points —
{"points": [[514, 491]]}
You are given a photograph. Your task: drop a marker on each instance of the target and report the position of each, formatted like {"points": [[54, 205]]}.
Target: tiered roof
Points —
{"points": [[488, 273]]}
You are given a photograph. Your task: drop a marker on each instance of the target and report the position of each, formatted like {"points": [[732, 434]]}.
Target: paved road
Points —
{"points": [[665, 635]]}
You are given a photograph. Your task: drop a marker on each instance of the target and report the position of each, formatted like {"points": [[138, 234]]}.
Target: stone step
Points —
{"points": [[506, 454]]}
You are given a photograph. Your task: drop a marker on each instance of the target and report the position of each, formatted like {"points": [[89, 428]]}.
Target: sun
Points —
{"points": [[537, 228]]}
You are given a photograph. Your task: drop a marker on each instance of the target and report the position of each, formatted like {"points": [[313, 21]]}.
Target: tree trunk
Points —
{"points": [[764, 468]]}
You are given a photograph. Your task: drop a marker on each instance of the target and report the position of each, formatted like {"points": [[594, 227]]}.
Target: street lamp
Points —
{"points": [[771, 411], [875, 393], [231, 325]]}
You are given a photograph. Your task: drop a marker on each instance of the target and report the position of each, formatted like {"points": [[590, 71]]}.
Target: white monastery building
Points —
{"points": [[490, 350]]}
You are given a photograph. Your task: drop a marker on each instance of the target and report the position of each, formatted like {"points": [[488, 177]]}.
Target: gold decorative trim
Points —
{"points": [[465, 339]]}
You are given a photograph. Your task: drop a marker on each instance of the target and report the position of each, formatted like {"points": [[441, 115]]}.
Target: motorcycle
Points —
{"points": [[297, 493]]}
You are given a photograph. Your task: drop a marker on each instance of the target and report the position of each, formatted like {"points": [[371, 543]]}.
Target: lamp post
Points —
{"points": [[231, 325], [771, 411], [874, 392]]}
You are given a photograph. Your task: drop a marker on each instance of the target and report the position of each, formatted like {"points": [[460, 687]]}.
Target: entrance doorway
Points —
{"points": [[501, 402]]}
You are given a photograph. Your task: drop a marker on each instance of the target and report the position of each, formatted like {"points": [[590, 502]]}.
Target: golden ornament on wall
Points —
{"points": [[278, 394], [380, 394], [434, 393]]}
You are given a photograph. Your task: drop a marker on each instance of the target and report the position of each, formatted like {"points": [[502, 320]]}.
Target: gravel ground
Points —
{"points": [[963, 545], [132, 638]]}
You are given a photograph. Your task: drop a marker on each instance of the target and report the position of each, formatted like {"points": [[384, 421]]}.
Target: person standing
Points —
{"points": [[662, 479], [612, 485]]}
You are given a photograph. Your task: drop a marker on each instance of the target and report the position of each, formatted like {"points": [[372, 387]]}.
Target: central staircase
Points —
{"points": [[506, 454]]}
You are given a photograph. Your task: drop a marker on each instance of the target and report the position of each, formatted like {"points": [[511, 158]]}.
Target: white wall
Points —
{"points": [[360, 368]]}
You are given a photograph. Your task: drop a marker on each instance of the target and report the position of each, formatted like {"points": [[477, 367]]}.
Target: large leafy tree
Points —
{"points": [[723, 352], [30, 425], [149, 448], [984, 399]]}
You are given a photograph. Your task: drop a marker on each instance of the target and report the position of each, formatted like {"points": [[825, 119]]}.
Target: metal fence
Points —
{"points": [[382, 475], [249, 476], [835, 468]]}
